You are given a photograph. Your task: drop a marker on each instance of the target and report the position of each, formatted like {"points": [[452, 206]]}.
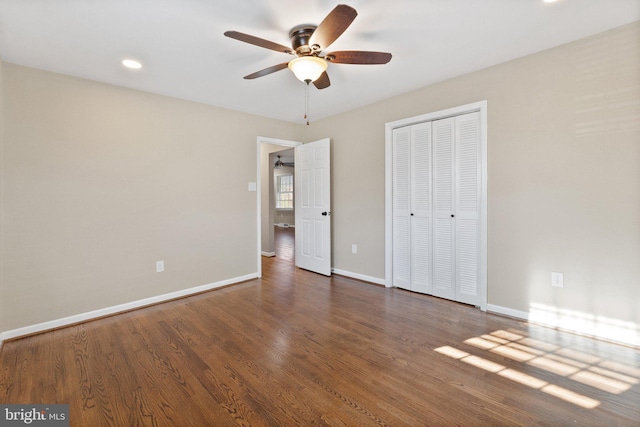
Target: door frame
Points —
{"points": [[272, 141], [481, 108]]}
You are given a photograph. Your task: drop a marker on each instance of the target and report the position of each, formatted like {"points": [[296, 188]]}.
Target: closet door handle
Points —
{"points": [[453, 216]]}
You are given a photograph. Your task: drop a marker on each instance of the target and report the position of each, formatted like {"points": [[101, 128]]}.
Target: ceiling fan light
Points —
{"points": [[308, 68]]}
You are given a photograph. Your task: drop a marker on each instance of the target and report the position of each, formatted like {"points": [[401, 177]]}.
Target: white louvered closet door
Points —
{"points": [[402, 208], [444, 208], [467, 219], [436, 208], [457, 186], [412, 207], [421, 259]]}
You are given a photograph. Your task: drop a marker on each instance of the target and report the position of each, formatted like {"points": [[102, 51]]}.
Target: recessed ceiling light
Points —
{"points": [[550, 1], [130, 63]]}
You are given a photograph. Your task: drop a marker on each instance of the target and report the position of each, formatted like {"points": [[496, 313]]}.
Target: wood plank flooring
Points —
{"points": [[296, 348]]}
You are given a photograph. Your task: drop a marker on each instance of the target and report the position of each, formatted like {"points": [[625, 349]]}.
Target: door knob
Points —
{"points": [[452, 216], [325, 213]]}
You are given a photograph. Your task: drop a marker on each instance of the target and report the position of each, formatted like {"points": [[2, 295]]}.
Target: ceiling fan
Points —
{"points": [[307, 43], [280, 164]]}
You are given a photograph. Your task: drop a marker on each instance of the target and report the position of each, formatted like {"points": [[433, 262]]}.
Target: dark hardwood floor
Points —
{"points": [[296, 348]]}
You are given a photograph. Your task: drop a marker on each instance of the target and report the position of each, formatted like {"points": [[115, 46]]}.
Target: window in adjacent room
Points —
{"points": [[284, 192]]}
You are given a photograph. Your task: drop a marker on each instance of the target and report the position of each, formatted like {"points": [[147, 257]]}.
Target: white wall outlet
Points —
{"points": [[159, 266], [354, 249], [557, 279], [252, 186]]}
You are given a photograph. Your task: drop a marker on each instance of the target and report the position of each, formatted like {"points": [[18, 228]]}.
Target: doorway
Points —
{"points": [[265, 200], [312, 202], [281, 191]]}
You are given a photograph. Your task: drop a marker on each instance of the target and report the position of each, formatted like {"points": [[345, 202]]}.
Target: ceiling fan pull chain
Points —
{"points": [[306, 102]]}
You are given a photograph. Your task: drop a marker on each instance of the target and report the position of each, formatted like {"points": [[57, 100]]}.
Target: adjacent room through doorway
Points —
{"points": [[283, 211], [275, 198]]}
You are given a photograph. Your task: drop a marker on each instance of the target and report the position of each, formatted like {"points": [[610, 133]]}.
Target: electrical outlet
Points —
{"points": [[557, 279], [159, 266], [354, 249]]}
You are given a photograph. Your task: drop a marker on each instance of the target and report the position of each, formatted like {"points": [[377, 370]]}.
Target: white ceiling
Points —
{"points": [[185, 55]]}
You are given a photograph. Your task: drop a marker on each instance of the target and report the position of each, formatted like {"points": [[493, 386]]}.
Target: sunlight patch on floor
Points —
{"points": [[522, 378], [553, 366], [606, 375], [570, 396], [519, 377]]}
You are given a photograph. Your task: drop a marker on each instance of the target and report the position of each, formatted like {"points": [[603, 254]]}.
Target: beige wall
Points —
{"points": [[100, 182], [563, 170]]}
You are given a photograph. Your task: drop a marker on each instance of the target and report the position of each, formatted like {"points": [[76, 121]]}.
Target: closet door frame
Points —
{"points": [[481, 108]]}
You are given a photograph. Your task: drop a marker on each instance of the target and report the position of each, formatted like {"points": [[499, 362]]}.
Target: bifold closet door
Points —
{"points": [[457, 186], [468, 207], [402, 207], [444, 209], [421, 253], [412, 208], [436, 208]]}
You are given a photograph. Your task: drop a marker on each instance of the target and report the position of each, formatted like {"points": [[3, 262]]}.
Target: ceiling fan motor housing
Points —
{"points": [[299, 36]]}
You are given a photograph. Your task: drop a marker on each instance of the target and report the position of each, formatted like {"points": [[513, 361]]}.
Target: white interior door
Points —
{"points": [[313, 206]]}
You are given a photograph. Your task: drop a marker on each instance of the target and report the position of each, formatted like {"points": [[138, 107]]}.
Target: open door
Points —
{"points": [[313, 206]]}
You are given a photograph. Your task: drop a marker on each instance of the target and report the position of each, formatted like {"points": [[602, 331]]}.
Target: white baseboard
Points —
{"points": [[359, 276], [84, 317], [508, 312], [268, 254]]}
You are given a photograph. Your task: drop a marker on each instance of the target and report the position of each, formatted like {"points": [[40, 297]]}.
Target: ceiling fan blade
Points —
{"points": [[358, 57], [332, 26], [322, 82], [257, 41], [266, 71]]}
